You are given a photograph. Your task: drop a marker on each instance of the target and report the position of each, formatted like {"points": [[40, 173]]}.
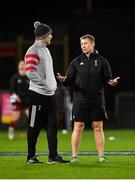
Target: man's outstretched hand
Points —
{"points": [[60, 77], [114, 81]]}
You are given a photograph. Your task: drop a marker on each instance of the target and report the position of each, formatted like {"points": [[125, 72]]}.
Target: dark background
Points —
{"points": [[111, 22]]}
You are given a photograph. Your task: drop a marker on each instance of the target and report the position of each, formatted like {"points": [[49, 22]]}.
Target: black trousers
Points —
{"points": [[42, 114]]}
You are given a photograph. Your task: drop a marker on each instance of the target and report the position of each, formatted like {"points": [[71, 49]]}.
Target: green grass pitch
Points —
{"points": [[118, 167]]}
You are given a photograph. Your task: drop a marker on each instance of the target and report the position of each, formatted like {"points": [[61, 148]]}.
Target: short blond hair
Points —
{"points": [[90, 37]]}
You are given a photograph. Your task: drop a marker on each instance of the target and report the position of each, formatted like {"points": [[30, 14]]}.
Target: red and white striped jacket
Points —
{"points": [[39, 69]]}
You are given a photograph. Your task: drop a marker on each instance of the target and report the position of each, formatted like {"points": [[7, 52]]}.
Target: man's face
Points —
{"points": [[47, 40], [87, 45], [21, 68]]}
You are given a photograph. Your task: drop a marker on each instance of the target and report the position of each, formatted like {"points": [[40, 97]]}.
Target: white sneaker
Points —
{"points": [[11, 133]]}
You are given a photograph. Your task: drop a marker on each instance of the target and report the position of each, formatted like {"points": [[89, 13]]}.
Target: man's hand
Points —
{"points": [[17, 98], [61, 78], [114, 81]]}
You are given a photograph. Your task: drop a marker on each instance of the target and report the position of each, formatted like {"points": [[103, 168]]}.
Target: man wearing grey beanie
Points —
{"points": [[42, 87]]}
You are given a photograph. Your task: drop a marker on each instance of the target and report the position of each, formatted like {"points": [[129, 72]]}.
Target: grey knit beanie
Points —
{"points": [[41, 30]]}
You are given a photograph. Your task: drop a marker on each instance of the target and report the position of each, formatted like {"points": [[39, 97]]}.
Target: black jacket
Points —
{"points": [[88, 76], [19, 85]]}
